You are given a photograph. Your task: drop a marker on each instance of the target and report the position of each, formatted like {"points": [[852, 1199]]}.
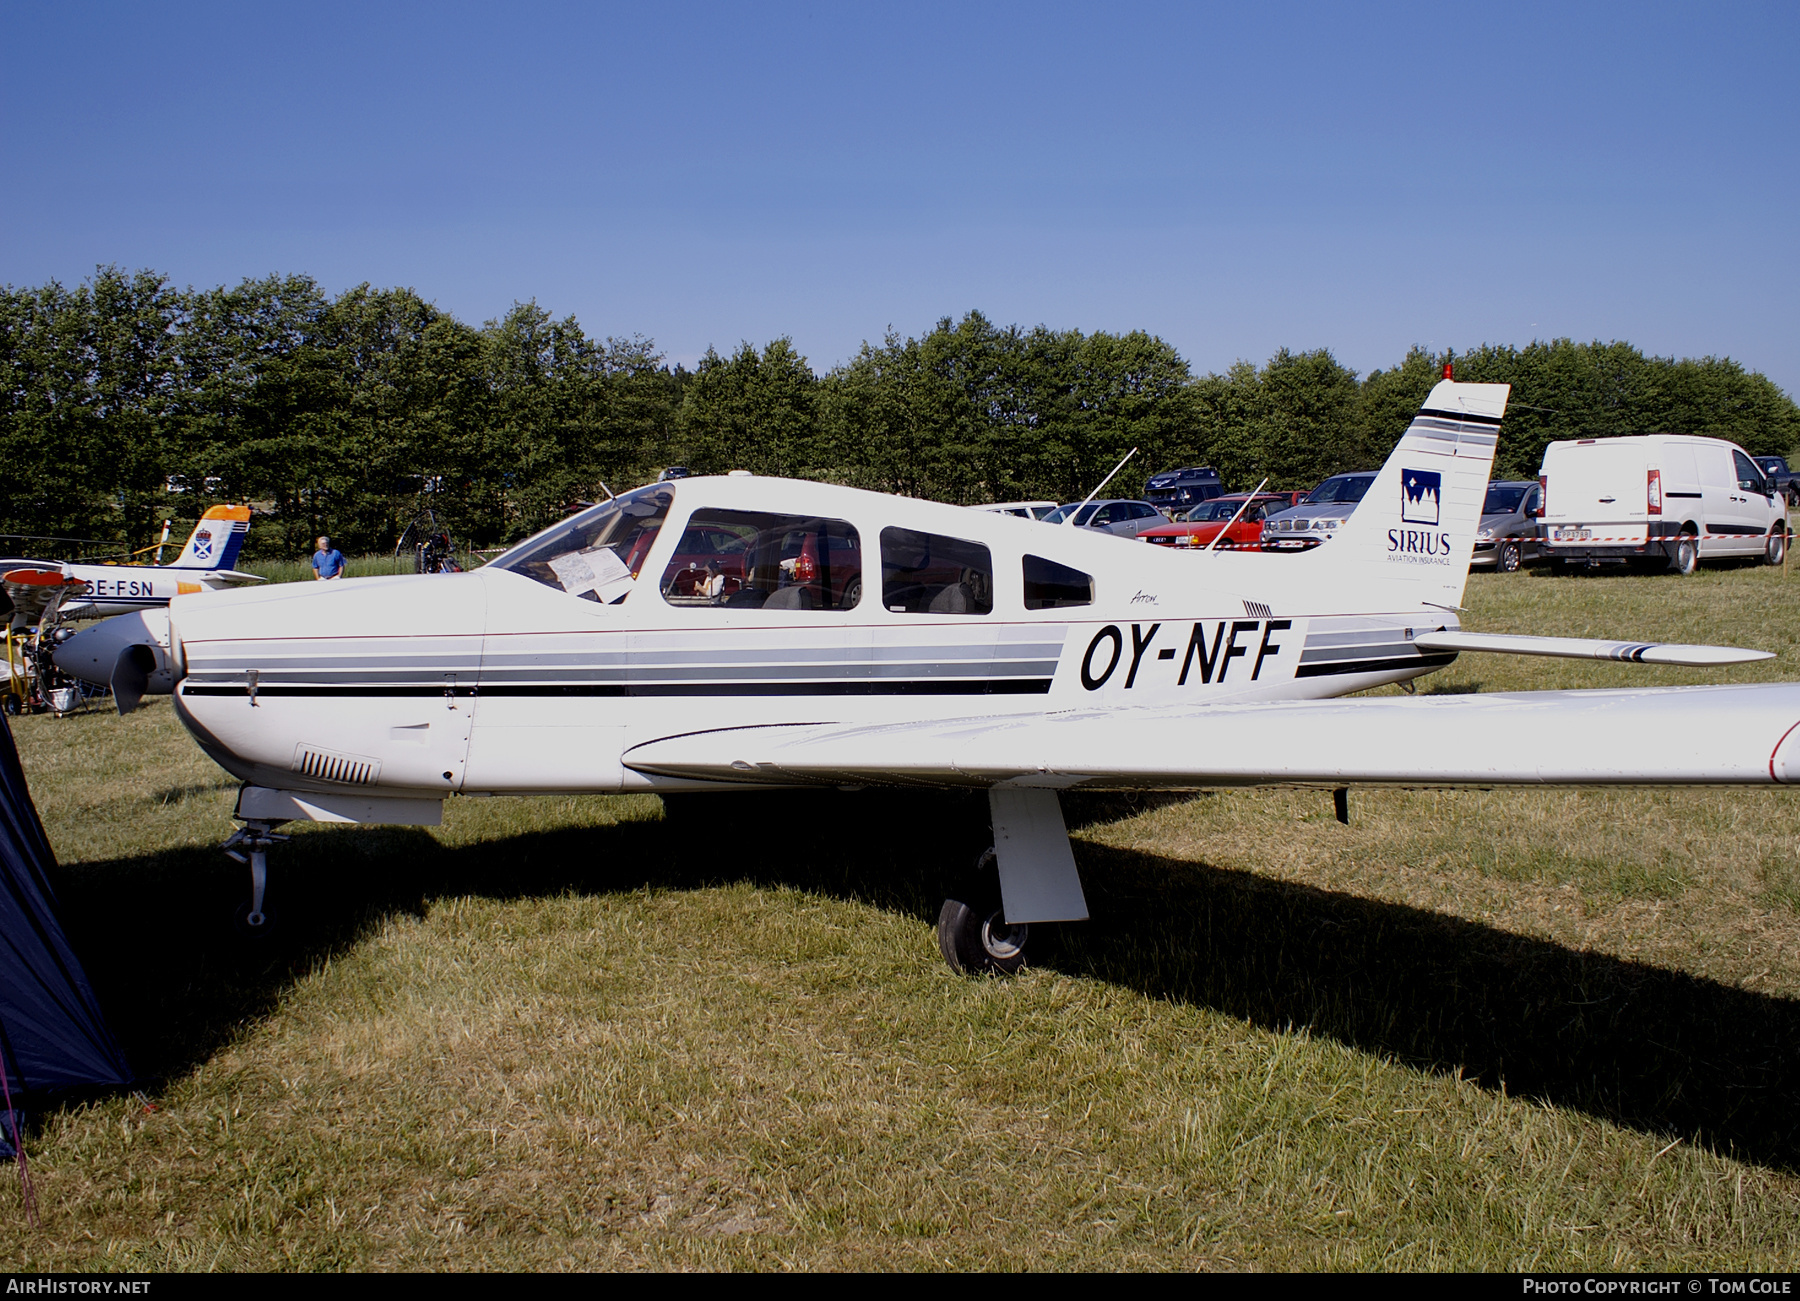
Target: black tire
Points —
{"points": [[852, 594], [1506, 557], [1686, 556], [240, 921], [1775, 551], [973, 933], [10, 703]]}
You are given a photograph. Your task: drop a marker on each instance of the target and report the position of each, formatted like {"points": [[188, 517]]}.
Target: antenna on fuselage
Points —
{"points": [[1240, 510], [1096, 492]]}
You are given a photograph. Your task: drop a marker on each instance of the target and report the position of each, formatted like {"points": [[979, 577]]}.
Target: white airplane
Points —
{"points": [[732, 632], [91, 591]]}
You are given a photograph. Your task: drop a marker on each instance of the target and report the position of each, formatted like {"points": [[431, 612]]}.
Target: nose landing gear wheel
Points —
{"points": [[264, 924], [254, 917], [973, 933]]}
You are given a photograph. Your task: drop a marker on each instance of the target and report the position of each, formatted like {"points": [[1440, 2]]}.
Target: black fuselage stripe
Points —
{"points": [[916, 687], [1460, 417], [1333, 668]]}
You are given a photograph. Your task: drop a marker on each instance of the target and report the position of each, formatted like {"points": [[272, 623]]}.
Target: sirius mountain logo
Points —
{"points": [[1419, 492]]}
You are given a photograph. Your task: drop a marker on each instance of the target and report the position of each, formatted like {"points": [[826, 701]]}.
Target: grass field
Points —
{"points": [[294, 571], [1488, 1030]]}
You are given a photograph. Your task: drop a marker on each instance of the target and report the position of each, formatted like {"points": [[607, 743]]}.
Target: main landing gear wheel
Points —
{"points": [[1506, 559], [973, 933]]}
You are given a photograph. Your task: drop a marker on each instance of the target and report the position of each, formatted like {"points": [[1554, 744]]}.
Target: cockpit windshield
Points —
{"points": [[597, 554]]}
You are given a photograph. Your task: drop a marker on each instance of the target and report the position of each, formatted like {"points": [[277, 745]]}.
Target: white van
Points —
{"points": [[1650, 496]]}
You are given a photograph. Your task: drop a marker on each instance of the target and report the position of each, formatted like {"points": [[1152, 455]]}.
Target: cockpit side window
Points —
{"points": [[1050, 586], [597, 554], [927, 573], [756, 560]]}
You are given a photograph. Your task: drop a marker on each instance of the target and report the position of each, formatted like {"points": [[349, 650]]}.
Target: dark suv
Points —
{"points": [[1176, 490]]}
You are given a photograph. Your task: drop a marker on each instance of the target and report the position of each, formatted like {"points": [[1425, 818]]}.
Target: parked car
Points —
{"points": [[1658, 499], [1199, 525], [1023, 509], [1117, 515], [1319, 516], [1787, 483], [1508, 533], [1176, 490]]}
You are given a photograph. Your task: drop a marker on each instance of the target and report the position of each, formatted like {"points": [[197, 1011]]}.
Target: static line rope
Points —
{"points": [[26, 1192]]}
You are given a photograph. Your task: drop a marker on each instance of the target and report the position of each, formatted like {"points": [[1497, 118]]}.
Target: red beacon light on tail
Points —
{"points": [[1449, 371]]}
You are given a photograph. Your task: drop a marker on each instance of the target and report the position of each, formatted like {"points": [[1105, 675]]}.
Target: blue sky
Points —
{"points": [[1233, 178]]}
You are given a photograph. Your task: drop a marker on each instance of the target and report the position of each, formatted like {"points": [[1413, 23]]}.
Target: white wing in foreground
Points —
{"points": [[1583, 648], [1717, 735]]}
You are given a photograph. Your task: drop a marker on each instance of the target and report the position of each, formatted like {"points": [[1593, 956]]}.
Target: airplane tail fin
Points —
{"points": [[1415, 527], [216, 539]]}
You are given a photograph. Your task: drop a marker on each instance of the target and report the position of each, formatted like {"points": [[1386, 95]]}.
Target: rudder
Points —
{"points": [[1415, 527], [216, 539]]}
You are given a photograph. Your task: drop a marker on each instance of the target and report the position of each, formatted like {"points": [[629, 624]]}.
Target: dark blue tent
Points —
{"points": [[52, 1035]]}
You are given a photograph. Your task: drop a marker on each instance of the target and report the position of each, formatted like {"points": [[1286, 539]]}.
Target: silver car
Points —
{"points": [[1508, 533], [1314, 520], [1118, 515]]}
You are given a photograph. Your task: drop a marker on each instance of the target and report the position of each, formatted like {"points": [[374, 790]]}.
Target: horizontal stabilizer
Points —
{"points": [[1583, 648], [236, 576], [1660, 736]]}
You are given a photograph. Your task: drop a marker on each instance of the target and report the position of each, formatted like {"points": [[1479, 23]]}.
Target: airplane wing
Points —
{"points": [[1583, 648], [32, 589], [1712, 735]]}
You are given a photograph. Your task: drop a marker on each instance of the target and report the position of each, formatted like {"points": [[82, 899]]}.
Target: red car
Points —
{"points": [[1202, 523]]}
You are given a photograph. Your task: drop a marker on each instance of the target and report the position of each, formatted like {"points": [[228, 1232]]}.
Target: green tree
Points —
{"points": [[753, 411]]}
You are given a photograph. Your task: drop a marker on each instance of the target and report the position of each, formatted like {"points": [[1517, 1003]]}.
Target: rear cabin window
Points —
{"points": [[1050, 586], [927, 573], [755, 560]]}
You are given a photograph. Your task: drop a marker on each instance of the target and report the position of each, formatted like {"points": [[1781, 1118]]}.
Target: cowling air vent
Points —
{"points": [[1257, 610], [330, 766]]}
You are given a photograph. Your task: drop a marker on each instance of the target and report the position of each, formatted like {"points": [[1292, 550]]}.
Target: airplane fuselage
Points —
{"points": [[499, 682]]}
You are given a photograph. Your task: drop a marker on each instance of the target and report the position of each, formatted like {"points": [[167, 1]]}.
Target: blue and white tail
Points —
{"points": [[1414, 530], [216, 539]]}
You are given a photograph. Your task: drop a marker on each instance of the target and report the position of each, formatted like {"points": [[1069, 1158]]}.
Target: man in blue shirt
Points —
{"points": [[327, 561]]}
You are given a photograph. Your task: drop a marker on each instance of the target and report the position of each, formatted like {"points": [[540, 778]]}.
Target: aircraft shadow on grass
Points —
{"points": [[1657, 1050]]}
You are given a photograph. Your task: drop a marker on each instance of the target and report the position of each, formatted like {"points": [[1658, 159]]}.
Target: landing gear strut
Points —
{"points": [[255, 918], [973, 933]]}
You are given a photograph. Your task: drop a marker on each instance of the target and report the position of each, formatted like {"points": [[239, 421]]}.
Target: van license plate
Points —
{"points": [[1574, 535]]}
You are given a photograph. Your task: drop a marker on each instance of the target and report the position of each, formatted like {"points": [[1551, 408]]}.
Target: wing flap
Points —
{"points": [[1721, 735], [1584, 648]]}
